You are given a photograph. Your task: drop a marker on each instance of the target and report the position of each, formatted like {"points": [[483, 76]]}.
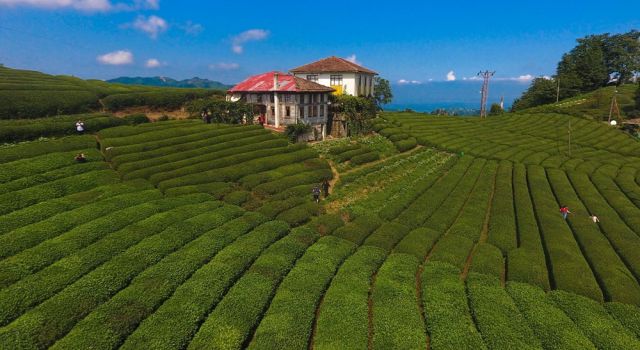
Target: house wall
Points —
{"points": [[349, 82], [310, 108]]}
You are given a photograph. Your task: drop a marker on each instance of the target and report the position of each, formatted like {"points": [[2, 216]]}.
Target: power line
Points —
{"points": [[486, 75]]}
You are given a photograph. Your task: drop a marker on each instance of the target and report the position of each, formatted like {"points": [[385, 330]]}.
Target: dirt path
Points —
{"points": [[336, 175]]}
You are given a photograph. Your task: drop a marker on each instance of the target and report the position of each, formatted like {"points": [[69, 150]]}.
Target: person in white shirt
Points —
{"points": [[80, 126], [594, 218]]}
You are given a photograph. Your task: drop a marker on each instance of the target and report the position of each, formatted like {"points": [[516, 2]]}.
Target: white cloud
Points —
{"points": [[153, 63], [152, 25], [451, 76], [224, 66], [192, 28], [84, 5], [406, 82], [526, 77], [116, 58], [238, 41], [353, 59]]}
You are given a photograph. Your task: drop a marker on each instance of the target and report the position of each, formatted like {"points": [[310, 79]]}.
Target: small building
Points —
{"points": [[284, 99], [345, 77]]}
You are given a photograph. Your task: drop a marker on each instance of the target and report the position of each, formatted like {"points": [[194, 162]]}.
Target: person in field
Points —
{"points": [[564, 210], [81, 158], [80, 126], [325, 188], [594, 218], [316, 194]]}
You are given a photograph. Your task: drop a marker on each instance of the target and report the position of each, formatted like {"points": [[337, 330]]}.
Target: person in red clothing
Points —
{"points": [[564, 210]]}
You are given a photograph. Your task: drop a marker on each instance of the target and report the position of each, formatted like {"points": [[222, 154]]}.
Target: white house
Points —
{"points": [[343, 76], [283, 99]]}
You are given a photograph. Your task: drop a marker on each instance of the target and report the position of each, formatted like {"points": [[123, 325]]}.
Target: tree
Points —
{"points": [[357, 112], [623, 55], [541, 91], [225, 112], [496, 109], [382, 92]]}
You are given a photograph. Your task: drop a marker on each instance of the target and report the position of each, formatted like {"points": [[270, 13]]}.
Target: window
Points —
{"points": [[312, 77], [321, 98], [273, 111], [272, 98], [315, 111], [302, 108], [335, 80], [287, 111], [287, 98], [322, 111]]}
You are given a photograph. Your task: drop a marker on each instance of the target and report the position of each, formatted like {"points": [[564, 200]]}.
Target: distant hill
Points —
{"points": [[169, 82]]}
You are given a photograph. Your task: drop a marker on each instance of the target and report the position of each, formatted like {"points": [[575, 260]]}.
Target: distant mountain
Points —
{"points": [[453, 95], [168, 82]]}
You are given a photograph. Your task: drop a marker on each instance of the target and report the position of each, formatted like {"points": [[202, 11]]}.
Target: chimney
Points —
{"points": [[275, 81]]}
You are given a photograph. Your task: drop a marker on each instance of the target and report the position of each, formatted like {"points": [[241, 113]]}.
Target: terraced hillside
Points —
{"points": [[182, 235]]}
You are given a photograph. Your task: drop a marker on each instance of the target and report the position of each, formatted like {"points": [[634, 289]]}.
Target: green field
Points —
{"points": [[31, 94], [440, 233]]}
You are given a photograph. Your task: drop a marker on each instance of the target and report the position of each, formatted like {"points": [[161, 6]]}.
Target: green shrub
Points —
{"points": [[387, 236], [237, 197], [216, 189], [359, 229], [446, 309], [26, 150], [502, 224], [488, 260], [238, 313], [554, 329], [344, 316], [299, 215], [406, 144], [288, 320], [452, 249], [346, 156], [418, 242], [500, 322], [398, 137], [627, 315], [33, 290], [365, 158], [594, 322], [21, 130], [136, 118], [44, 324], [342, 149], [326, 224], [397, 323]]}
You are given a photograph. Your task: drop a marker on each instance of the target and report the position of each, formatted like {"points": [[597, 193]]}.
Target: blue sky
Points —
{"points": [[404, 41]]}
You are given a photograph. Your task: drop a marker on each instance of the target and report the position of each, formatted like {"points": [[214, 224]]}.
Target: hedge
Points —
{"points": [[405, 145], [500, 322], [216, 189], [164, 100], [365, 158], [114, 146], [236, 171], [627, 183], [38, 165], [59, 188], [359, 229], [288, 321], [24, 150], [446, 309], [627, 210], [231, 322], [16, 104], [130, 130], [488, 260], [237, 197], [326, 224], [621, 237], [627, 315], [225, 158], [28, 236], [38, 287], [199, 273], [342, 149], [554, 329], [387, 236], [57, 174], [418, 242], [138, 118], [13, 131], [527, 262], [299, 215], [616, 281], [428, 201], [502, 224], [346, 156], [397, 323], [569, 269], [139, 160], [470, 223], [47, 209], [44, 324], [253, 180], [591, 317], [398, 137], [283, 183], [343, 320], [273, 208], [452, 249]]}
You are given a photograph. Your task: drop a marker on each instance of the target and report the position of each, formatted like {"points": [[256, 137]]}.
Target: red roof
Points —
{"points": [[286, 83], [332, 64]]}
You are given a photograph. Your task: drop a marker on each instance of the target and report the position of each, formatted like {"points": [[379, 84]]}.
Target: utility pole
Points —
{"points": [[614, 104], [486, 75]]}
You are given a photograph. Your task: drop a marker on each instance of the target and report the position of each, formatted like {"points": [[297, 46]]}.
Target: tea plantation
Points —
{"points": [[441, 233]]}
